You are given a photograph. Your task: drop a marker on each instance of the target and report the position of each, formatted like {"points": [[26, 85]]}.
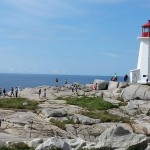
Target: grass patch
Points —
{"points": [[60, 98], [102, 148], [105, 116], [17, 146], [90, 103], [55, 148], [18, 103], [123, 104], [61, 124]]}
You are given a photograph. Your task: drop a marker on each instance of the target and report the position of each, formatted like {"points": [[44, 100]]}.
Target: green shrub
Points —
{"points": [[61, 124], [148, 113], [17, 146], [60, 98], [122, 104], [18, 103], [90, 103], [55, 148], [105, 116], [102, 148]]}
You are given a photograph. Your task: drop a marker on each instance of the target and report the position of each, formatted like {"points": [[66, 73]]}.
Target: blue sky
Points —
{"points": [[74, 37]]}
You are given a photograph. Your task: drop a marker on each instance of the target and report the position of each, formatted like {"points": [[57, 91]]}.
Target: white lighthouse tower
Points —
{"points": [[142, 73]]}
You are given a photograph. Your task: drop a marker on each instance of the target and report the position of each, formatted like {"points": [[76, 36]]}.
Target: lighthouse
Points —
{"points": [[142, 73]]}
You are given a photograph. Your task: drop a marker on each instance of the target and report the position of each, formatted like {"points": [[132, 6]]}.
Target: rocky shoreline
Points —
{"points": [[37, 130]]}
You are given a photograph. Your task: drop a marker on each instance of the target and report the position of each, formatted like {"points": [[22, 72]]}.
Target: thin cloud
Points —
{"points": [[112, 55], [46, 8], [105, 1], [58, 72]]}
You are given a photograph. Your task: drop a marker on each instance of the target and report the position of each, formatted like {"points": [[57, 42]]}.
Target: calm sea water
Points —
{"points": [[33, 80]]}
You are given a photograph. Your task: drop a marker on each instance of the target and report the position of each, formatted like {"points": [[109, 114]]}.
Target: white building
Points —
{"points": [[142, 73]]}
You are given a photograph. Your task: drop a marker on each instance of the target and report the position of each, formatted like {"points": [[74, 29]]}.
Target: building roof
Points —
{"points": [[146, 25]]}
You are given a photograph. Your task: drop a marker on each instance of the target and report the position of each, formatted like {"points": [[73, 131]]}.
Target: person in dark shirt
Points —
{"points": [[4, 92], [56, 82], [39, 92], [12, 92], [125, 78]]}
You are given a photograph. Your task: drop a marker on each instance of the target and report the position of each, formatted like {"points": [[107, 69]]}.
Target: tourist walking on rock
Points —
{"points": [[114, 78], [4, 92], [19, 90], [125, 78], [0, 91], [16, 92], [45, 93], [12, 92], [39, 92], [72, 87], [76, 88], [56, 82], [95, 86], [65, 83]]}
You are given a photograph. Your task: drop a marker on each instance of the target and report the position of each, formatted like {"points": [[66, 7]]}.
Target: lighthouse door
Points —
{"points": [[135, 75]]}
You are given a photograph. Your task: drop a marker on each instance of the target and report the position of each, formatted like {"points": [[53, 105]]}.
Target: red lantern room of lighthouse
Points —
{"points": [[142, 73], [146, 29]]}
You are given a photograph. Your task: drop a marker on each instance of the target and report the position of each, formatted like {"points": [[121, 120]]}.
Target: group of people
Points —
{"points": [[14, 92], [3, 92], [65, 82], [40, 92], [74, 87], [115, 78]]}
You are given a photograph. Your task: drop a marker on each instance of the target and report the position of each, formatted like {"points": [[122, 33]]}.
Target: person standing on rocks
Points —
{"points": [[12, 92], [0, 91], [72, 87], [4, 92], [16, 92], [115, 78], [39, 93], [125, 78], [95, 86], [65, 83], [76, 88], [19, 90], [56, 82], [45, 93]]}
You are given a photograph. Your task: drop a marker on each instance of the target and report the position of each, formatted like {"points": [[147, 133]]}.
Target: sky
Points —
{"points": [[71, 37]]}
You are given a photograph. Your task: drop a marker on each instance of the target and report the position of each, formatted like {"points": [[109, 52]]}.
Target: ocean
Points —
{"points": [[8, 80]]}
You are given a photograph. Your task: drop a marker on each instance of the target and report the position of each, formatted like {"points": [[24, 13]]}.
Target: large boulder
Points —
{"points": [[28, 124], [137, 107], [49, 112], [132, 109], [118, 137], [101, 84], [85, 120], [122, 85], [2, 143], [76, 143], [53, 142], [34, 143], [91, 132], [142, 125], [111, 94], [113, 85], [136, 91]]}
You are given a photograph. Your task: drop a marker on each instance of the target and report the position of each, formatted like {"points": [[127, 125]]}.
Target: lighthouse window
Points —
{"points": [[146, 29]]}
